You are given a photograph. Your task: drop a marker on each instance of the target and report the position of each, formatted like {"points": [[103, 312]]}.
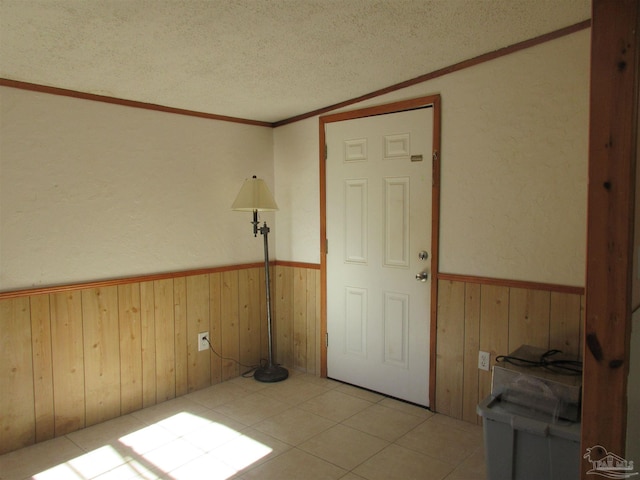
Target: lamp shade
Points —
{"points": [[254, 196]]}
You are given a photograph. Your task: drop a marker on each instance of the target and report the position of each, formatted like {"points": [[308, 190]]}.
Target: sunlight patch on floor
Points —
{"points": [[86, 466], [184, 445]]}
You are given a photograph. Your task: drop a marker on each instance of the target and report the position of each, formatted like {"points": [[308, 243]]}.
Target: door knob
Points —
{"points": [[422, 276]]}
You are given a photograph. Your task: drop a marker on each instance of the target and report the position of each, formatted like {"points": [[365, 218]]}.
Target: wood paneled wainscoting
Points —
{"points": [[496, 316], [74, 356]]}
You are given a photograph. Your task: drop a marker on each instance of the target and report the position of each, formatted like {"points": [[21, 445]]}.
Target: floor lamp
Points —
{"points": [[254, 196]]}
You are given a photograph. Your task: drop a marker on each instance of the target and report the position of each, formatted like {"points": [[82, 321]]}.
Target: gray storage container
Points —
{"points": [[522, 444]]}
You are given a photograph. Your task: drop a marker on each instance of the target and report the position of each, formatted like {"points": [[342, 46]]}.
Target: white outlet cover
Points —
{"points": [[202, 343], [484, 359]]}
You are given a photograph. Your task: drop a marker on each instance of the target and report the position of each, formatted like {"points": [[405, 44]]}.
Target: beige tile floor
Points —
{"points": [[303, 428]]}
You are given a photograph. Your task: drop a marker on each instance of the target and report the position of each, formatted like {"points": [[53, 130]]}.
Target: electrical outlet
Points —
{"points": [[484, 358], [202, 341]]}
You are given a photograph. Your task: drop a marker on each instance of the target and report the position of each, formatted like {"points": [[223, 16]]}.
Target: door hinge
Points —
{"points": [[326, 340], [326, 246], [326, 152]]}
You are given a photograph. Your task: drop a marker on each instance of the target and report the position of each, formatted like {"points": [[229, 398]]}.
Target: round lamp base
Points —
{"points": [[270, 374]]}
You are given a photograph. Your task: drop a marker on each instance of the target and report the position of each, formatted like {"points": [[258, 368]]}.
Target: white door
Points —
{"points": [[378, 216]]}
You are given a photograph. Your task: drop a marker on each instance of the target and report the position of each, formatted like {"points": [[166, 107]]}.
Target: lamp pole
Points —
{"points": [[254, 196], [272, 372]]}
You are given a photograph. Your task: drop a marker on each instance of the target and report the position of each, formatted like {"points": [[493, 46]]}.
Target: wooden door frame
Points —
{"points": [[432, 101]]}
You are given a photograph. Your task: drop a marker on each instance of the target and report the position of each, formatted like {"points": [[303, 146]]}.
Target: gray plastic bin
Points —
{"points": [[521, 444]]}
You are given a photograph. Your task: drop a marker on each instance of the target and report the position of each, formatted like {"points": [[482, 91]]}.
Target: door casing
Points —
{"points": [[434, 102]]}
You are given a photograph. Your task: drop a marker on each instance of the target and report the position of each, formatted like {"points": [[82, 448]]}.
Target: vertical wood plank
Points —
{"points": [[68, 362], [215, 325], [17, 417], [450, 348], [311, 321], [528, 318], [564, 323], [258, 319], [244, 307], [249, 316], [494, 329], [148, 343], [613, 132], [471, 348], [299, 318], [264, 329], [101, 354], [42, 367], [283, 321], [276, 295], [130, 326], [320, 342], [583, 311], [165, 340], [198, 321], [230, 329], [180, 312]]}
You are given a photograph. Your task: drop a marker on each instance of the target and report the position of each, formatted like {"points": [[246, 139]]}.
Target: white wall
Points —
{"points": [[92, 191], [296, 153], [514, 167]]}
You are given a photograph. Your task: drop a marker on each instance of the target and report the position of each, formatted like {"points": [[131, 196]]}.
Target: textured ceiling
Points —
{"points": [[264, 60]]}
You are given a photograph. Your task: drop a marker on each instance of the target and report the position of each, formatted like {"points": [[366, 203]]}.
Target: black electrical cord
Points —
{"points": [[564, 367], [248, 373]]}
